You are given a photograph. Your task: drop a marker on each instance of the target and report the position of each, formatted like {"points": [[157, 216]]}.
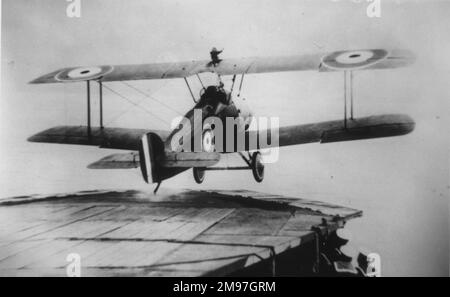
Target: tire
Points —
{"points": [[199, 175], [257, 167]]}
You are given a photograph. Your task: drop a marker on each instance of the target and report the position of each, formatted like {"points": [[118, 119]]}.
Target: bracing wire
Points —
{"points": [[121, 114], [151, 97], [135, 104]]}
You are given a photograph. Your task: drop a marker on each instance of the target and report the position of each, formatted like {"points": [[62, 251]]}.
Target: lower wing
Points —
{"points": [[157, 164], [335, 131], [323, 132], [113, 138]]}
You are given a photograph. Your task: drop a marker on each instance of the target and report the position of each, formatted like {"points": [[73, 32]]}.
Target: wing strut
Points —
{"points": [[88, 109], [190, 90], [88, 89], [240, 85], [351, 95], [232, 86], [100, 84], [201, 82], [348, 89]]}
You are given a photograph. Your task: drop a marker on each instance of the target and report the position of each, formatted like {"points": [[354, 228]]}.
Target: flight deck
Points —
{"points": [[173, 233]]}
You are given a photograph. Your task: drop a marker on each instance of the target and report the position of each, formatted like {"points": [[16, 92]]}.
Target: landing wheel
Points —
{"points": [[208, 140], [199, 175], [257, 167]]}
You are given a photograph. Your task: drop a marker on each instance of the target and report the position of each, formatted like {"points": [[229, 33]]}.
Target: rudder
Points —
{"points": [[150, 147]]}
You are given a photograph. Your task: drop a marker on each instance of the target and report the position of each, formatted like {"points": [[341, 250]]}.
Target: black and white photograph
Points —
{"points": [[230, 139]]}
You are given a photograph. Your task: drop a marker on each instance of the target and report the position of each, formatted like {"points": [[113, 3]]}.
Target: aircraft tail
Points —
{"points": [[150, 147]]}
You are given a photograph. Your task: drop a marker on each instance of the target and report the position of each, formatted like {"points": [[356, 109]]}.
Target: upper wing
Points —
{"points": [[114, 138], [334, 131], [334, 61]]}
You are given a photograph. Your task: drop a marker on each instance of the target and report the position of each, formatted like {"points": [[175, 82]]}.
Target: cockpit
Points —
{"points": [[216, 97]]}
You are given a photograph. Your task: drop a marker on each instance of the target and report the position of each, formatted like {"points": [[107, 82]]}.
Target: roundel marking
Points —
{"points": [[208, 141], [83, 73], [354, 59]]}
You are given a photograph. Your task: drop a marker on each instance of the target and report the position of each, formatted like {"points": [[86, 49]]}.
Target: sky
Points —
{"points": [[401, 184]]}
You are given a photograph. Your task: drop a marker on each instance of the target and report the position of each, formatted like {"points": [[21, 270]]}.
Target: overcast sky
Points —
{"points": [[401, 183]]}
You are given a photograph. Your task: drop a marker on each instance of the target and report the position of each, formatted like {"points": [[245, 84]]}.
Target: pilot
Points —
{"points": [[215, 56], [221, 94], [210, 92], [222, 98]]}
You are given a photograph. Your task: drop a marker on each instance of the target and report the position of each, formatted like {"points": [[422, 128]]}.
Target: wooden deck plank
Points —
{"points": [[98, 272], [301, 222], [12, 248], [278, 243], [82, 229], [251, 221], [209, 257], [83, 248], [28, 256], [128, 254], [55, 223], [144, 213], [186, 225]]}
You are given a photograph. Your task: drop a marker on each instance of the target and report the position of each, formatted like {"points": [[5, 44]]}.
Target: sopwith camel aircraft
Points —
{"points": [[154, 150]]}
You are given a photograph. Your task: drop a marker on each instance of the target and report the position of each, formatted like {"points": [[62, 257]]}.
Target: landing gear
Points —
{"points": [[199, 174], [253, 163], [257, 167]]}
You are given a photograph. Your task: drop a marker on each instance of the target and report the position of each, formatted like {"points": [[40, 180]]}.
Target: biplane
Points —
{"points": [[153, 150]]}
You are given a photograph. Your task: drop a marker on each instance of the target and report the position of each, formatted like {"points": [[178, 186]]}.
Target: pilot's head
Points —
{"points": [[210, 90]]}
